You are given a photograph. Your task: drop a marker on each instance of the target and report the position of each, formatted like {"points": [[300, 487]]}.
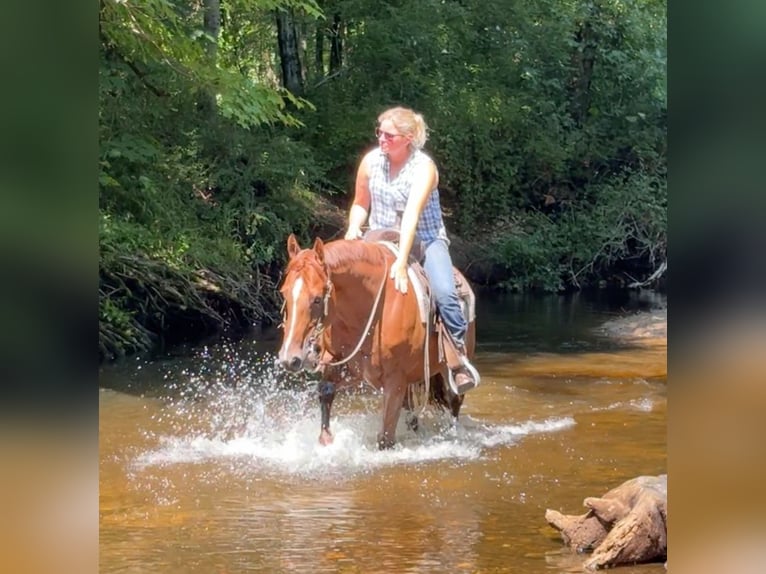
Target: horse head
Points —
{"points": [[305, 291]]}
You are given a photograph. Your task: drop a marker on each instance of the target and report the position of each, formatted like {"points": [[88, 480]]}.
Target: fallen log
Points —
{"points": [[627, 525]]}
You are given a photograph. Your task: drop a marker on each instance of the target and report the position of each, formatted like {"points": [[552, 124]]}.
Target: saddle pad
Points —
{"points": [[419, 282]]}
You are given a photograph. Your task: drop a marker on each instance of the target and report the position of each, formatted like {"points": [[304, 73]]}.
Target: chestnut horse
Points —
{"points": [[344, 318]]}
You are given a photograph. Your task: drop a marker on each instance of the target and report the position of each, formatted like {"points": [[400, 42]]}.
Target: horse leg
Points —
{"points": [[410, 417], [412, 421], [393, 397], [442, 394], [326, 395], [455, 402]]}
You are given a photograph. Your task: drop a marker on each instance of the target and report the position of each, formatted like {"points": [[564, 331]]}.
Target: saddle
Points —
{"points": [[429, 315]]}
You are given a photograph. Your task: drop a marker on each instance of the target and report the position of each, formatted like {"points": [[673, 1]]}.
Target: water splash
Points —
{"points": [[248, 414], [645, 404]]}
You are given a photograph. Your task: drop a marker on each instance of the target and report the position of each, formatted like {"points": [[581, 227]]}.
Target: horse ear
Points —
{"points": [[319, 248], [292, 246]]}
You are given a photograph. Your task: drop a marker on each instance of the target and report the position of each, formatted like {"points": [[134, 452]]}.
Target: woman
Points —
{"points": [[397, 186]]}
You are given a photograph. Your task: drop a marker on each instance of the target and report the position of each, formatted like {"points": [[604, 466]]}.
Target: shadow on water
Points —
{"points": [[567, 323], [209, 458]]}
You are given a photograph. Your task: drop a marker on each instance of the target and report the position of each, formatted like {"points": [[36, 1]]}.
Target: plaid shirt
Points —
{"points": [[389, 198]]}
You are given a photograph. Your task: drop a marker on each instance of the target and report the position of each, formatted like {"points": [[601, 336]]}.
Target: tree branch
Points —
{"points": [[654, 276], [328, 78]]}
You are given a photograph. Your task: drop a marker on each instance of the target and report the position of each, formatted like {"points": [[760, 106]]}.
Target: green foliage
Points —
{"points": [[195, 203], [530, 249], [164, 44], [623, 220]]}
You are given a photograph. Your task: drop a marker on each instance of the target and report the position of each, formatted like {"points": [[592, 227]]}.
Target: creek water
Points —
{"points": [[209, 460]]}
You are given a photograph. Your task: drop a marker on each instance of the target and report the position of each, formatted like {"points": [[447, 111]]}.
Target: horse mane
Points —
{"points": [[339, 253]]}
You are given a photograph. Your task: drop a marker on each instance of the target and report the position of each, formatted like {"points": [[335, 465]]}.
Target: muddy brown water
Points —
{"points": [[209, 459]]}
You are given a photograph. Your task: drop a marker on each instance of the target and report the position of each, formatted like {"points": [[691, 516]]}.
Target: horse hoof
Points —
{"points": [[325, 438], [385, 443]]}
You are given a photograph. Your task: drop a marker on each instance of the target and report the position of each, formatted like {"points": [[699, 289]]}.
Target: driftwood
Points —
{"points": [[627, 525], [659, 272]]}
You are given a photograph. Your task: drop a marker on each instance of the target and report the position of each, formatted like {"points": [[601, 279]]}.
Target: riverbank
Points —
{"points": [[646, 328]]}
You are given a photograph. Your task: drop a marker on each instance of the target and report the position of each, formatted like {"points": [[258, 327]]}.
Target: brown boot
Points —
{"points": [[464, 382], [464, 376]]}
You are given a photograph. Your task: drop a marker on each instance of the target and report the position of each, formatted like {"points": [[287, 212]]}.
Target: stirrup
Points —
{"points": [[466, 386]]}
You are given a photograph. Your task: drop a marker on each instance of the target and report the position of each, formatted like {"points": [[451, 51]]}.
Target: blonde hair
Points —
{"points": [[408, 122]]}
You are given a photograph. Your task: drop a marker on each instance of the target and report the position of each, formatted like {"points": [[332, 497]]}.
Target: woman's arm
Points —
{"points": [[360, 208], [424, 181]]}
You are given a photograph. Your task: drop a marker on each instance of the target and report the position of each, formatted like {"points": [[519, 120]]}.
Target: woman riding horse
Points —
{"points": [[397, 186]]}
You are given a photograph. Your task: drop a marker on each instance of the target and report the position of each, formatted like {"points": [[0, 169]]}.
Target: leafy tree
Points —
{"points": [[193, 180]]}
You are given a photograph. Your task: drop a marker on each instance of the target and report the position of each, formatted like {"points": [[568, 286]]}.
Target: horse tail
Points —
{"points": [[439, 395]]}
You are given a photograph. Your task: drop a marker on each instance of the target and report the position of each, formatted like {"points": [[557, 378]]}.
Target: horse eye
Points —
{"points": [[317, 300]]}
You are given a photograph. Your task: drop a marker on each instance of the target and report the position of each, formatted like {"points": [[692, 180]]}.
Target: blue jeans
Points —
{"points": [[438, 267]]}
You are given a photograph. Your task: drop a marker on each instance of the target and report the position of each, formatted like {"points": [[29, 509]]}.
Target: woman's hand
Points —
{"points": [[399, 275], [353, 233]]}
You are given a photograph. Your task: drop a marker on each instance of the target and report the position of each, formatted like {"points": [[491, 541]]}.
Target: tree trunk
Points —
{"points": [[287, 37], [319, 52], [212, 25], [336, 44], [582, 62], [211, 22]]}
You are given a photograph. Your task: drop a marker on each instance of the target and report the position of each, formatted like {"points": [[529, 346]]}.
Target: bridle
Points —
{"points": [[319, 327]]}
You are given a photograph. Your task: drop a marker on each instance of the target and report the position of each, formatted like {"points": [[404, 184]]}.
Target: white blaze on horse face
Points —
{"points": [[297, 286]]}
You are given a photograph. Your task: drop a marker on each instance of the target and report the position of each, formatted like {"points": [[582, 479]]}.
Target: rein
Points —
{"points": [[369, 322]]}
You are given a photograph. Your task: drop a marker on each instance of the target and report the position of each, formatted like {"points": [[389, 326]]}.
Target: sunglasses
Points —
{"points": [[386, 135]]}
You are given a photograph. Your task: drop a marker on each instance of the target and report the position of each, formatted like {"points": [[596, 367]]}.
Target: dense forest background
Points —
{"points": [[224, 125]]}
